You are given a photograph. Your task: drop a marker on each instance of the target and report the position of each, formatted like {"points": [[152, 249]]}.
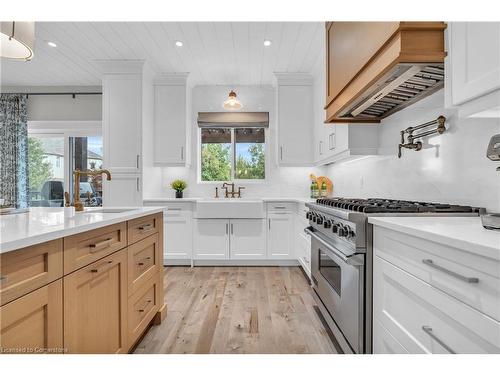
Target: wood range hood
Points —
{"points": [[374, 69]]}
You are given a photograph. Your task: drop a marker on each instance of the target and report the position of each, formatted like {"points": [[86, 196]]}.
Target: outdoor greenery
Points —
{"points": [[39, 169], [178, 185], [254, 168], [215, 162]]}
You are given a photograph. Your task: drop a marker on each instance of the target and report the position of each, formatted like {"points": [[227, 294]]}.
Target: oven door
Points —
{"points": [[338, 281]]}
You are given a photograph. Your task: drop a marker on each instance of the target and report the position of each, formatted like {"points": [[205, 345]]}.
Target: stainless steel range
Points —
{"points": [[341, 260]]}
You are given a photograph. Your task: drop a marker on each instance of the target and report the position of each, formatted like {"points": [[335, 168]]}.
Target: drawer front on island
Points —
{"points": [[142, 307], [143, 227], [24, 270], [144, 260], [84, 248], [95, 307], [33, 323]]}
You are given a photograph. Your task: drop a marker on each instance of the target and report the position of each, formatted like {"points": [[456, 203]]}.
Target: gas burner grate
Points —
{"points": [[379, 205]]}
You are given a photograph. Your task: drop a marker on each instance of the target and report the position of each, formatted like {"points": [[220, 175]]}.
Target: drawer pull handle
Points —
{"points": [[279, 207], [430, 263], [428, 330], [141, 262], [146, 227], [100, 245], [96, 270], [174, 209], [3, 279], [146, 305]]}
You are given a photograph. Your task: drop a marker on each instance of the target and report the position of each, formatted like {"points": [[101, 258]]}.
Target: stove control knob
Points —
{"points": [[327, 224], [308, 215], [342, 232], [319, 220], [335, 228], [350, 233]]}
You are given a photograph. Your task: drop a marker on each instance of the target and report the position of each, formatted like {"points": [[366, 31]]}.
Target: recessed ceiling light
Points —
{"points": [[52, 44], [267, 42], [178, 43]]}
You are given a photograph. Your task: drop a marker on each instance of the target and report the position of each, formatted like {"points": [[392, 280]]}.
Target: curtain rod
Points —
{"points": [[74, 94]]}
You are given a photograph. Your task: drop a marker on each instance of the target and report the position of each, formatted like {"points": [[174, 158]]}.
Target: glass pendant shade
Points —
{"points": [[232, 103], [17, 40]]}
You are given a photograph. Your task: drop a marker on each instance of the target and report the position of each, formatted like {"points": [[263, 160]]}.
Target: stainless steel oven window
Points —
{"points": [[331, 271]]}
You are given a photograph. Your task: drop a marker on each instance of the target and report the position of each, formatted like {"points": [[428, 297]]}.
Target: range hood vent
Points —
{"points": [[402, 86]]}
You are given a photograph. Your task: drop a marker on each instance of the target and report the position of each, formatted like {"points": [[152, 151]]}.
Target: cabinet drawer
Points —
{"points": [[143, 305], [25, 270], [426, 320], [384, 342], [84, 248], [142, 227], [472, 279], [281, 206], [144, 261], [33, 323]]}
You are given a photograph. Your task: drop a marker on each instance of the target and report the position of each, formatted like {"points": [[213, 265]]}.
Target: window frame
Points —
{"points": [[233, 159], [66, 130]]}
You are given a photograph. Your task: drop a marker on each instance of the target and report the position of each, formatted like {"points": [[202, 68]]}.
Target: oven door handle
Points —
{"points": [[352, 260]]}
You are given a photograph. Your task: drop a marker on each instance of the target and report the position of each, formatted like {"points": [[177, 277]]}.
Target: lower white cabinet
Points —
{"points": [[248, 238], [229, 239], [211, 239], [178, 233], [423, 304], [280, 229]]}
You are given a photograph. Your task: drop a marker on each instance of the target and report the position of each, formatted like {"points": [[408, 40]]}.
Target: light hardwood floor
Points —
{"points": [[237, 310]]}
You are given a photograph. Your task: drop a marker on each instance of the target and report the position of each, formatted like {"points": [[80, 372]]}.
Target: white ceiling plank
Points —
{"points": [[214, 53]]}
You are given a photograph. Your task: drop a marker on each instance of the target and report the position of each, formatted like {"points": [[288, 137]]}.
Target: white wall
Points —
{"points": [[451, 167], [61, 107], [284, 182]]}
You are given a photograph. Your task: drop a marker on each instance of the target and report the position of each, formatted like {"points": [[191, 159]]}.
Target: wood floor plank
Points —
{"points": [[257, 310]]}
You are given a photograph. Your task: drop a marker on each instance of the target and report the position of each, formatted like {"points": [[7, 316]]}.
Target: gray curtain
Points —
{"points": [[13, 150]]}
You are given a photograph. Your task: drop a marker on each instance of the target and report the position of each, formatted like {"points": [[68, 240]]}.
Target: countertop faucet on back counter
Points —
{"points": [[77, 173]]}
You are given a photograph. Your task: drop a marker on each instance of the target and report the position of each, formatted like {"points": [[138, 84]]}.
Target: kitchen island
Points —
{"points": [[84, 282]]}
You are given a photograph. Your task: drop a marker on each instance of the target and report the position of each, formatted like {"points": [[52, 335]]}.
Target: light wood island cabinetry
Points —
{"points": [[91, 292]]}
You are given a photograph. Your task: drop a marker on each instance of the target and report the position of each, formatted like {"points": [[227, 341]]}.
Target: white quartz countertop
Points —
{"points": [[43, 224], [465, 233], [195, 199]]}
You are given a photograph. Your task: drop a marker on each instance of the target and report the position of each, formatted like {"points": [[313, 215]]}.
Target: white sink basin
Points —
{"points": [[229, 208]]}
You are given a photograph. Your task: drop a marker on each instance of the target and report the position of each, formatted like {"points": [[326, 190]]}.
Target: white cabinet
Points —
{"points": [[124, 190], [178, 232], [335, 142], [280, 229], [248, 238], [473, 63], [229, 239], [294, 117], [171, 127], [431, 298], [122, 118], [211, 239]]}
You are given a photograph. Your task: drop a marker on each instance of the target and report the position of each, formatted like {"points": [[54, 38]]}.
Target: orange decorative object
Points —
{"points": [[319, 180]]}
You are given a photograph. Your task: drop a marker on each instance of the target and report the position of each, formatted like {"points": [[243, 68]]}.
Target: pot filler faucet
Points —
{"points": [[76, 187]]}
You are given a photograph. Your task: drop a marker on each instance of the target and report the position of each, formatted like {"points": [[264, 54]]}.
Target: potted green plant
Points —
{"points": [[178, 186]]}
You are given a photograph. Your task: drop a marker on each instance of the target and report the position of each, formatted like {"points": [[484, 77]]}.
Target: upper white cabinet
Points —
{"points": [[473, 63], [294, 119], [122, 122], [171, 114]]}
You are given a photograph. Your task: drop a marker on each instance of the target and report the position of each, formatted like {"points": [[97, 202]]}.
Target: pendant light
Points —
{"points": [[232, 103], [17, 40]]}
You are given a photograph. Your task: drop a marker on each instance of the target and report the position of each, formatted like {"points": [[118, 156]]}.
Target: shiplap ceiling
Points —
{"points": [[213, 52]]}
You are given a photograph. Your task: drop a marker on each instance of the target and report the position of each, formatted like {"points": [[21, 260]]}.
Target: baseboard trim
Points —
{"points": [[232, 262]]}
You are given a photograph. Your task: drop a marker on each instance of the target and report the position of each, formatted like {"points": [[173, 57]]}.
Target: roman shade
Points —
{"points": [[233, 119]]}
